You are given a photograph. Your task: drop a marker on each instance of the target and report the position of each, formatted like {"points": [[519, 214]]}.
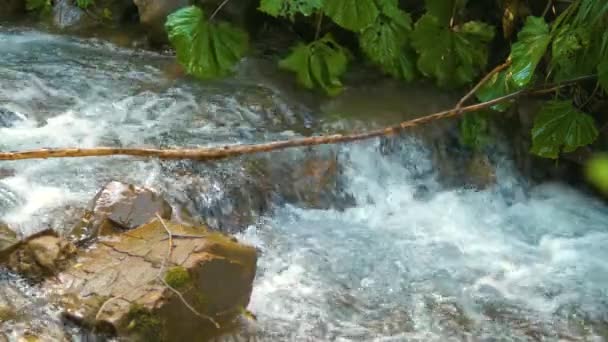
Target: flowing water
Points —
{"points": [[512, 262]]}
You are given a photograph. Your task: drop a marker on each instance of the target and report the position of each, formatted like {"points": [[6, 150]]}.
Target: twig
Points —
{"points": [[230, 151], [103, 306], [549, 3], [176, 292], [218, 9], [483, 81], [319, 24]]}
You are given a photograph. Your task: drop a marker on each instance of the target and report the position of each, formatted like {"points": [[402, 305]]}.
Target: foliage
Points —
{"points": [[597, 172], [43, 7], [352, 15], [84, 4], [474, 130], [206, 50], [453, 57], [559, 125], [385, 42], [443, 41], [289, 8], [318, 64]]}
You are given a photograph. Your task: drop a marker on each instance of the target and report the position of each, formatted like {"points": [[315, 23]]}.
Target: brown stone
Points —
{"points": [[41, 255], [116, 284], [118, 207]]}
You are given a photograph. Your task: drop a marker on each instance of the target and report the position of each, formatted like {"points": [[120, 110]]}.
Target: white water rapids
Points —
{"points": [[509, 263]]}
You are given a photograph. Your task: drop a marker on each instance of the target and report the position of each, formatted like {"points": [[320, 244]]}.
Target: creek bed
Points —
{"points": [[510, 262]]}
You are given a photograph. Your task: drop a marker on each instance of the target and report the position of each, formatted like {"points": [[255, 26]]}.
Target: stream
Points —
{"points": [[407, 259]]}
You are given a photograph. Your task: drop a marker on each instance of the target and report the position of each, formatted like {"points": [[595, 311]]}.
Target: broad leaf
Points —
{"points": [[318, 64], [559, 126], [531, 45], [568, 52], [497, 86], [602, 71], [526, 53], [353, 15], [453, 57], [443, 10], [289, 8], [206, 50], [385, 43]]}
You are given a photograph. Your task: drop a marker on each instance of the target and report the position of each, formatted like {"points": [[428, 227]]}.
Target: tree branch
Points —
{"points": [[228, 151], [483, 81]]}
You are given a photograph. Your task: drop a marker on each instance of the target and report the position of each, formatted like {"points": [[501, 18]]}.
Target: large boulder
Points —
{"points": [[161, 281], [100, 13], [118, 207], [8, 241]]}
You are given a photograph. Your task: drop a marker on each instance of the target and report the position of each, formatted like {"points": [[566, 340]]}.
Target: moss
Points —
{"points": [[143, 325], [177, 277], [7, 313]]}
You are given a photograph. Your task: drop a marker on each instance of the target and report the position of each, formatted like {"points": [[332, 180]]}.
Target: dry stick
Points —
{"points": [[218, 9], [177, 293], [483, 81], [216, 153]]}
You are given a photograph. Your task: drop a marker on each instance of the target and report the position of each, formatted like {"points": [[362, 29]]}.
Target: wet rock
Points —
{"points": [[116, 286], [11, 8], [22, 319], [41, 255], [101, 13], [153, 13], [8, 241], [118, 206], [66, 14], [9, 118], [234, 195]]}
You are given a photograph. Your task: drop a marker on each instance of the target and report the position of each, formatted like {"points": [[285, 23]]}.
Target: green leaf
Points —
{"points": [[560, 126], [474, 130], [289, 8], [353, 15], [497, 86], [526, 53], [597, 172], [43, 7], [602, 70], [453, 57], [318, 64], [443, 10], [84, 4], [206, 50], [385, 43], [569, 51]]}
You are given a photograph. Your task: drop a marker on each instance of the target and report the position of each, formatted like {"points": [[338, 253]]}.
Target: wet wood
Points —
{"points": [[229, 151]]}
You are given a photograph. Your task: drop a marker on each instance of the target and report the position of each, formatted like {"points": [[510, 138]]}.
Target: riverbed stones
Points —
{"points": [[127, 283], [40, 255], [118, 207]]}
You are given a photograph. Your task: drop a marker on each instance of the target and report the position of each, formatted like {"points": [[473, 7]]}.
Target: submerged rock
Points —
{"points": [[9, 118], [117, 207], [121, 285]]}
